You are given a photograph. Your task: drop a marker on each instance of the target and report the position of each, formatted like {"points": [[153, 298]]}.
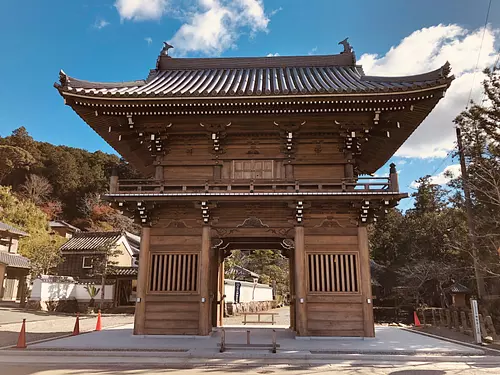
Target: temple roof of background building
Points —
{"points": [[96, 241], [14, 260], [9, 229]]}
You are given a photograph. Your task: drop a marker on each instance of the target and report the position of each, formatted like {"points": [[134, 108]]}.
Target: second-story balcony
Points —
{"points": [[360, 185]]}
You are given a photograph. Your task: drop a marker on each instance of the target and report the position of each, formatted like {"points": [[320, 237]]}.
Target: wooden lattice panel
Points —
{"points": [[333, 273], [174, 273]]}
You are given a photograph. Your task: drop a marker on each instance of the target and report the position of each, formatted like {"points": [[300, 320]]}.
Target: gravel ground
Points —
{"points": [[282, 319], [58, 326]]}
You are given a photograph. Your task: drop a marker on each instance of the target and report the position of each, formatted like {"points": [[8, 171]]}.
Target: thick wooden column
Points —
{"points": [[142, 283], [291, 268], [300, 283], [349, 167], [220, 314], [204, 323], [366, 284]]}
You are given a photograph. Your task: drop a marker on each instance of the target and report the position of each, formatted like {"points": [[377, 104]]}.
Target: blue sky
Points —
{"points": [[119, 40]]}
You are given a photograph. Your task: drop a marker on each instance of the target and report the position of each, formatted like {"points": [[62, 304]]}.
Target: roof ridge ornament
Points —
{"points": [[347, 46], [348, 49], [166, 47], [63, 78]]}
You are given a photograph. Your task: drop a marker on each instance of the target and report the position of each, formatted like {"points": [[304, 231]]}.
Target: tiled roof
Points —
{"points": [[123, 271], [62, 224], [91, 240], [10, 229], [14, 260], [459, 288], [134, 241], [229, 77]]}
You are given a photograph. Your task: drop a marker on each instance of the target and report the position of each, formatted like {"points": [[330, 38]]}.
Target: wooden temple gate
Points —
{"points": [[256, 153]]}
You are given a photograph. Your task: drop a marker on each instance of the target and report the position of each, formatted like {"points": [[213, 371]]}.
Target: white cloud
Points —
{"points": [[272, 54], [140, 10], [313, 51], [449, 173], [149, 40], [100, 23], [215, 25], [428, 49], [209, 26]]}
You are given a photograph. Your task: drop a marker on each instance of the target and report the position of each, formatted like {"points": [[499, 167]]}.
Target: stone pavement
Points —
{"points": [[389, 340], [41, 326], [337, 367]]}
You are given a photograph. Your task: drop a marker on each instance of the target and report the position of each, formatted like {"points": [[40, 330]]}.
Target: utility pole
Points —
{"points": [[470, 220]]}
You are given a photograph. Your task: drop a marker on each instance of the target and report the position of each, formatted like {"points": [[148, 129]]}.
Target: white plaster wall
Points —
{"points": [[54, 291], [247, 292]]}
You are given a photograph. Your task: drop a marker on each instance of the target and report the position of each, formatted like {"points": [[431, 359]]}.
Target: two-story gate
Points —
{"points": [[246, 153]]}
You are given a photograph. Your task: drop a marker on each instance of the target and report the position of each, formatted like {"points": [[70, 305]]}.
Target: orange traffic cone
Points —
{"points": [[98, 326], [415, 319], [76, 330], [21, 341]]}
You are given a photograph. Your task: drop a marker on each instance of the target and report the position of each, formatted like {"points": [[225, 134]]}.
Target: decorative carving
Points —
{"points": [[283, 232], [329, 222], [299, 212], [289, 132], [63, 78], [221, 232], [217, 134], [252, 222], [253, 148], [141, 212], [318, 148], [346, 45], [205, 213], [177, 224], [166, 47]]}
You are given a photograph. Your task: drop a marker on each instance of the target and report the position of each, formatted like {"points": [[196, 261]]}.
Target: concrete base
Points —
{"points": [[388, 341]]}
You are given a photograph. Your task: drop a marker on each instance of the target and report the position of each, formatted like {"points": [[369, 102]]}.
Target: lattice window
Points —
{"points": [[174, 273], [333, 273]]}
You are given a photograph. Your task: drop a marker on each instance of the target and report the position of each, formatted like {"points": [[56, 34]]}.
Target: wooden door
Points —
{"points": [[253, 169]]}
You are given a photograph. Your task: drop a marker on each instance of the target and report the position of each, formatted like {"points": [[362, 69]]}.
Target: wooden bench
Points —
{"points": [[225, 345], [259, 314]]}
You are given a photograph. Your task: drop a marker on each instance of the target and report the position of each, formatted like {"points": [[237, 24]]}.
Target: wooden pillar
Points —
{"points": [[142, 283], [288, 170], [349, 167], [291, 268], [217, 172], [113, 182], [366, 284], [300, 283], [22, 286], [159, 172], [221, 292], [204, 322]]}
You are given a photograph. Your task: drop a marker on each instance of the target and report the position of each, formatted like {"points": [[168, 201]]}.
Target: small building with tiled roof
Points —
{"points": [[63, 228], [84, 249], [14, 268]]}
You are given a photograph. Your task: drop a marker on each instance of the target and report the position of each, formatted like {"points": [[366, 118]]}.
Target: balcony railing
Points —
{"points": [[361, 184]]}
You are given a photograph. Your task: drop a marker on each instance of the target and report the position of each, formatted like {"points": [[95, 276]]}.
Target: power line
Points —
{"points": [[471, 89], [479, 54]]}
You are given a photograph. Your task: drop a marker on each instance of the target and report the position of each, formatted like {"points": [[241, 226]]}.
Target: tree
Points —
{"points": [[36, 188], [481, 148], [12, 158], [41, 248], [102, 262]]}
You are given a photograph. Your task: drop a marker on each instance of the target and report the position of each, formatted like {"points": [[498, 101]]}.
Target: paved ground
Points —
{"points": [[42, 325], [388, 340], [342, 367], [282, 320]]}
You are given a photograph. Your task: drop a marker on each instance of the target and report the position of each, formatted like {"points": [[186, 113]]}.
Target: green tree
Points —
{"points": [[12, 158], [40, 247]]}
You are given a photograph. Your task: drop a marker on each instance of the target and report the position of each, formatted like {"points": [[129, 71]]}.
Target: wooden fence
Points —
{"points": [[457, 320]]}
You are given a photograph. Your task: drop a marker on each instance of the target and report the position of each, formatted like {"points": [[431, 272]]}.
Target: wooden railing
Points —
{"points": [[361, 184]]}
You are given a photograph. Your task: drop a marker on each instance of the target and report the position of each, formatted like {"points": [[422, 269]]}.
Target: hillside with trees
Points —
{"points": [[64, 182]]}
